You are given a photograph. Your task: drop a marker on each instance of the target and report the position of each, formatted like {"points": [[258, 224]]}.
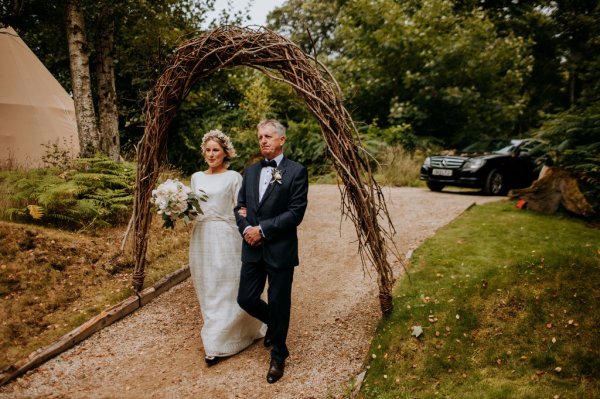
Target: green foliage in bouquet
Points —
{"points": [[193, 210], [91, 192]]}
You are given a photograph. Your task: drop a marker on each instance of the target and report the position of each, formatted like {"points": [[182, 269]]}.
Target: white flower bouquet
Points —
{"points": [[174, 200]]}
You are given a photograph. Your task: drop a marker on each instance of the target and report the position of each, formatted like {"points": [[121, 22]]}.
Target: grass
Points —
{"points": [[509, 304], [52, 281], [399, 168], [395, 167]]}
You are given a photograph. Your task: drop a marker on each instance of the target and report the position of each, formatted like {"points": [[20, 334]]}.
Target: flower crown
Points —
{"points": [[224, 140]]}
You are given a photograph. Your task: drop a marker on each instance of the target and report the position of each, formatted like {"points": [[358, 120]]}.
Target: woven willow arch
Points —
{"points": [[281, 60]]}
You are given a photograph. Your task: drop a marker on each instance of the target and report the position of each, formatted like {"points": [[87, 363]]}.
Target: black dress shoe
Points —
{"points": [[211, 360], [275, 371], [268, 341]]}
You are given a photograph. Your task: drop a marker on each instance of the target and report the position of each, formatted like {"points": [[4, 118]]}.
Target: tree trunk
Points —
{"points": [[572, 87], [108, 115], [554, 187], [80, 77]]}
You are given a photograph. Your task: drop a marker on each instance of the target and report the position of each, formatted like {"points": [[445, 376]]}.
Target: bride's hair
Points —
{"points": [[223, 140]]}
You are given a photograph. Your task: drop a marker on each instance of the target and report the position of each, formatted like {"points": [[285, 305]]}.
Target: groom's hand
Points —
{"points": [[253, 236]]}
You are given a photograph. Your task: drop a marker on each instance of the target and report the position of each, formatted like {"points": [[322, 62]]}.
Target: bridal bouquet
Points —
{"points": [[174, 200]]}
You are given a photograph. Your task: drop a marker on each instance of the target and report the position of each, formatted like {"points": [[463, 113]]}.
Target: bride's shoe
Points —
{"points": [[211, 360]]}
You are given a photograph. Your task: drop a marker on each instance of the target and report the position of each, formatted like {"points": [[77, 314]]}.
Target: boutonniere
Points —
{"points": [[276, 176]]}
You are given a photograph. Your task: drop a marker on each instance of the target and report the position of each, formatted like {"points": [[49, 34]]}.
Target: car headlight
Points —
{"points": [[427, 162], [474, 164]]}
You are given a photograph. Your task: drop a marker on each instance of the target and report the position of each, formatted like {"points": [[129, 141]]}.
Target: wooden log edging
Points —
{"points": [[96, 323]]}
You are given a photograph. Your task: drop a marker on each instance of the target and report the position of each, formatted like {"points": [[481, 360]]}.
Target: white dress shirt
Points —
{"points": [[266, 175]]}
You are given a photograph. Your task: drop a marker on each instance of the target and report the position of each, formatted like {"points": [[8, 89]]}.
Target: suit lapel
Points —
{"points": [[271, 186], [254, 181]]}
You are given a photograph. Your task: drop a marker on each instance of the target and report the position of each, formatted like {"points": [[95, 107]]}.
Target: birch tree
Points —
{"points": [[108, 116], [80, 77]]}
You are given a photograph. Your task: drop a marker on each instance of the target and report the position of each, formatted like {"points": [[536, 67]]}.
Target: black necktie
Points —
{"points": [[272, 163]]}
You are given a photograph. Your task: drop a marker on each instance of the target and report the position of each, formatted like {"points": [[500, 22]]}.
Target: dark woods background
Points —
{"points": [[416, 74]]}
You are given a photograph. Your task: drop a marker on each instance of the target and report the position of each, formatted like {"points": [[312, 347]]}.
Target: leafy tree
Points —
{"points": [[144, 35], [545, 85], [89, 139], [234, 101], [214, 104], [446, 74], [309, 23], [266, 98], [578, 27], [108, 116], [564, 41]]}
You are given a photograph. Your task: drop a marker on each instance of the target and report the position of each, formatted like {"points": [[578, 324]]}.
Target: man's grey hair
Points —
{"points": [[275, 124]]}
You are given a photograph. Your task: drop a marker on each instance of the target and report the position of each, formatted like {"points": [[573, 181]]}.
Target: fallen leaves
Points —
{"points": [[36, 211], [573, 323], [417, 331]]}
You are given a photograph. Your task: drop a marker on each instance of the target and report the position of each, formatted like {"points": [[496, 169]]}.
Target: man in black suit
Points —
{"points": [[271, 205]]}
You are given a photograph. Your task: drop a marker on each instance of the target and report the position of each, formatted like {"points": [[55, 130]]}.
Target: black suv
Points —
{"points": [[493, 165]]}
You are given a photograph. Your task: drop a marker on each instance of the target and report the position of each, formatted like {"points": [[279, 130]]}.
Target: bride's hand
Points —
{"points": [[242, 212]]}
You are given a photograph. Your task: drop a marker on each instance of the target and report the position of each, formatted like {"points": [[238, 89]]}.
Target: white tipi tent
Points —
{"points": [[34, 107]]}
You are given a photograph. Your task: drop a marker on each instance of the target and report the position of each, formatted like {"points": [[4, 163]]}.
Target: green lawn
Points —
{"points": [[508, 301]]}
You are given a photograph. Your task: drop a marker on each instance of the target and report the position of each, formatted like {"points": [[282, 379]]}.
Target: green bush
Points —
{"points": [[305, 144], [93, 192], [575, 136], [396, 153], [398, 167]]}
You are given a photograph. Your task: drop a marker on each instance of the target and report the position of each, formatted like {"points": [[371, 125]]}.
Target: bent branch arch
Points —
{"points": [[281, 60]]}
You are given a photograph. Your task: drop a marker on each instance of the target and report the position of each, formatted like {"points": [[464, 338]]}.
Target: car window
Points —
{"points": [[491, 145], [507, 149]]}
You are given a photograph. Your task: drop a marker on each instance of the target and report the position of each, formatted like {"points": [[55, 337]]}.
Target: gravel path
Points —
{"points": [[156, 352]]}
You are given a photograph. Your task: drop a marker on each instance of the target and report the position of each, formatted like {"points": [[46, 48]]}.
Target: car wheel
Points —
{"points": [[435, 186], [494, 184]]}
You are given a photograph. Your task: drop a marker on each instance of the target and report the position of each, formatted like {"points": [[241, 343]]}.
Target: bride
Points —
{"points": [[215, 255]]}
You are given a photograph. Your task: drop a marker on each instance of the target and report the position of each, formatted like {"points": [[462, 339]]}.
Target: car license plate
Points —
{"points": [[441, 172]]}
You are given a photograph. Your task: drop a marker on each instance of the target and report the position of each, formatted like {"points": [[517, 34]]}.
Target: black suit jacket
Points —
{"points": [[279, 213]]}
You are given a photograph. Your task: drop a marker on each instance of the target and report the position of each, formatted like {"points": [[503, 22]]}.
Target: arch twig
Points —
{"points": [[362, 199]]}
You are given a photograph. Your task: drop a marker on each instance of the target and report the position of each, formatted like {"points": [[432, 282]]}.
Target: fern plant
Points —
{"points": [[93, 192], [576, 138]]}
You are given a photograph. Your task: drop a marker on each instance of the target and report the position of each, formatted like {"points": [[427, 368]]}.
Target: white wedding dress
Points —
{"points": [[215, 263]]}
